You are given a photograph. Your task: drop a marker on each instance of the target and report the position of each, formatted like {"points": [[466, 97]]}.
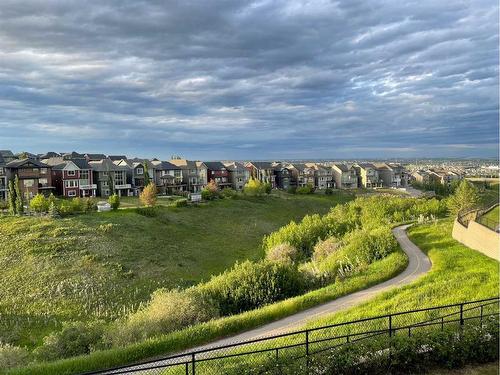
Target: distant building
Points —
{"points": [[238, 175], [368, 176], [34, 176], [345, 176]]}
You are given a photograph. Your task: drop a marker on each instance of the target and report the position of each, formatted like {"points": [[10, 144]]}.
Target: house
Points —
{"points": [[283, 176], [263, 171], [34, 176], [4, 188], [392, 175], [48, 155], [344, 176], [137, 169], [443, 176], [368, 176], [323, 176], [117, 157], [110, 178], [169, 177], [216, 171], [238, 175], [301, 175], [421, 176], [72, 177], [194, 174]]}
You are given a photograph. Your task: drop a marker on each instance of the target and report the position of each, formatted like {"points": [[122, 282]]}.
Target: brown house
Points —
{"points": [[34, 176]]}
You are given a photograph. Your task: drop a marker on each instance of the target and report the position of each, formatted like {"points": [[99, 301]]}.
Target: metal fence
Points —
{"points": [[256, 356]]}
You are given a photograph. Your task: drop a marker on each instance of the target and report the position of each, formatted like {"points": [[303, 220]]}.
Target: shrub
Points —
{"points": [[12, 356], [254, 188], [78, 205], [167, 311], [211, 191], [324, 248], [466, 197], [114, 201], [74, 339], [250, 285], [53, 211], [181, 203], [292, 190], [328, 191], [267, 188], [39, 203], [229, 193], [308, 189], [283, 253], [148, 195], [65, 208]]}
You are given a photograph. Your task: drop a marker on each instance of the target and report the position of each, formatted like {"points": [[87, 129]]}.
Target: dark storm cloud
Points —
{"points": [[267, 79]]}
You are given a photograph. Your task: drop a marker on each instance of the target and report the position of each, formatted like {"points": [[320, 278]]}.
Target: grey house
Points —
{"points": [[238, 175], [110, 178]]}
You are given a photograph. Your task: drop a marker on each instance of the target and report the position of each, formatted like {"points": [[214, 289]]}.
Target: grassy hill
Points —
{"points": [[102, 265]]}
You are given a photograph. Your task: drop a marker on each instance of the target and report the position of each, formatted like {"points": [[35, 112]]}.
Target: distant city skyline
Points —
{"points": [[251, 80]]}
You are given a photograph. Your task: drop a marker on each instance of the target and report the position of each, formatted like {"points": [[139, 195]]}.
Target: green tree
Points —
{"points": [[466, 197], [147, 179], [19, 197], [53, 211], [12, 198], [114, 201]]}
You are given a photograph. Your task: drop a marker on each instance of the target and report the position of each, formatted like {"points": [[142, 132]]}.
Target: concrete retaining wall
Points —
{"points": [[478, 237]]}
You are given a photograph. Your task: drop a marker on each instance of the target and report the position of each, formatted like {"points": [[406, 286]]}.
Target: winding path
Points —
{"points": [[418, 265]]}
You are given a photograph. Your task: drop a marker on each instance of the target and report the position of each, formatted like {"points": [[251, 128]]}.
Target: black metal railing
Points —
{"points": [[259, 353]]}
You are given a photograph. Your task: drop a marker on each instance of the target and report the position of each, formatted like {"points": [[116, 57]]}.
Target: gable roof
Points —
{"points": [[165, 165], [261, 164], [19, 163], [214, 165], [95, 156], [117, 157], [341, 167], [233, 166], [105, 165]]}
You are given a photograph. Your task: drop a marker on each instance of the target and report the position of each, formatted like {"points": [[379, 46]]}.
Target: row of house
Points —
{"points": [[83, 175], [436, 175]]}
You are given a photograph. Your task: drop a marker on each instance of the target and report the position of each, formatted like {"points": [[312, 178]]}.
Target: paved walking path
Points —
{"points": [[418, 265]]}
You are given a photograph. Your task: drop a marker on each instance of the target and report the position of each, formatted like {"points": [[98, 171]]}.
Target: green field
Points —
{"points": [[102, 265], [491, 218]]}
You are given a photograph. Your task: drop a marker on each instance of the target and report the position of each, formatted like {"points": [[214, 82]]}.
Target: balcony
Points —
{"points": [[123, 186], [88, 187]]}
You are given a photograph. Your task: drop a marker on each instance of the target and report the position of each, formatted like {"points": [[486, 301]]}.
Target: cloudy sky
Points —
{"points": [[264, 79]]}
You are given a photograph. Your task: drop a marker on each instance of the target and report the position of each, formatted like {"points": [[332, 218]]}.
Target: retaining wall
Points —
{"points": [[478, 237]]}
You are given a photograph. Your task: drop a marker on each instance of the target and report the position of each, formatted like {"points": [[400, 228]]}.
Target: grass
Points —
{"points": [[131, 202], [487, 369], [202, 333], [491, 218], [102, 265], [458, 274]]}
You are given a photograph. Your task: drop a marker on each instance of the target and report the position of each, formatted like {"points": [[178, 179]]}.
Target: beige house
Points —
{"points": [[368, 175], [194, 174], [323, 176], [344, 176]]}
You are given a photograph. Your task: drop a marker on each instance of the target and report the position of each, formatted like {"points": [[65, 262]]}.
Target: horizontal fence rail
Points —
{"points": [[305, 344]]}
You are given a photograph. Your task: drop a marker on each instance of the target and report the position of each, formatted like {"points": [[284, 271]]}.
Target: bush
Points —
{"points": [[251, 285], [167, 311], [78, 205], [74, 339], [308, 189], [229, 193], [292, 190], [39, 203], [12, 356], [181, 203], [329, 191], [267, 188], [324, 248], [211, 191], [91, 204], [148, 195], [283, 253], [114, 201], [254, 188]]}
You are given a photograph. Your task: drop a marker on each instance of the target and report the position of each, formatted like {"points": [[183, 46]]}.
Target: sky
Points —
{"points": [[230, 79]]}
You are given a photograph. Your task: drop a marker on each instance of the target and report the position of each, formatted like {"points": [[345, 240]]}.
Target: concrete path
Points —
{"points": [[418, 265]]}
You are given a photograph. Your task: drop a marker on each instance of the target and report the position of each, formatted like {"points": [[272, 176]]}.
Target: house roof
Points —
{"points": [[184, 164], [95, 156], [262, 164], [214, 165], [2, 161], [342, 167], [50, 154], [117, 157], [106, 165], [73, 155], [19, 163], [382, 166], [366, 165], [166, 166], [233, 166], [6, 154]]}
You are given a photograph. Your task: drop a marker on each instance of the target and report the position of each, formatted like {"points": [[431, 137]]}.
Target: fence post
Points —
{"points": [[390, 325], [193, 363], [461, 314], [307, 350], [481, 313]]}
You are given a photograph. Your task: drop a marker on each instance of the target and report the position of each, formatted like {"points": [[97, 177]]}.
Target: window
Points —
{"points": [[71, 173], [104, 183], [2, 170], [84, 175], [119, 178], [71, 193], [70, 183], [43, 170], [178, 173], [104, 174], [140, 170], [29, 183], [43, 181]]}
